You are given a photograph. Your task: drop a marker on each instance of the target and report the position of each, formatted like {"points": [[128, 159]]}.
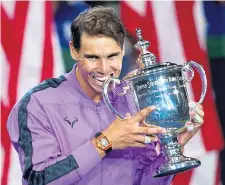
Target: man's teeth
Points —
{"points": [[102, 79]]}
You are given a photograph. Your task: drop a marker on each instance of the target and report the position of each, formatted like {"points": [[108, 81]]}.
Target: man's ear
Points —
{"points": [[73, 51]]}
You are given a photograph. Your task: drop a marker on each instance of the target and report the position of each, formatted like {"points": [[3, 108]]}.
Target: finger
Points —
{"points": [[199, 111], [143, 114], [149, 131], [199, 105], [144, 124], [194, 105], [137, 144], [149, 139], [196, 118], [184, 137], [190, 126], [144, 139]]}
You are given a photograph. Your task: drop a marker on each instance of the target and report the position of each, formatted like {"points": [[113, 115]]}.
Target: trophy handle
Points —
{"points": [[114, 81], [188, 67]]}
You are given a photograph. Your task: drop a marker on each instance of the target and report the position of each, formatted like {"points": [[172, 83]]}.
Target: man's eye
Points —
{"points": [[92, 58], [112, 57]]}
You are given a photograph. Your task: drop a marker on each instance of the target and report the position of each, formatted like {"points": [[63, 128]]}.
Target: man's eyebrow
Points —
{"points": [[90, 56], [113, 54]]}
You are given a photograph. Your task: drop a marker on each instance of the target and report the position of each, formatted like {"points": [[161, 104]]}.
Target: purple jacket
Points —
{"points": [[51, 128]]}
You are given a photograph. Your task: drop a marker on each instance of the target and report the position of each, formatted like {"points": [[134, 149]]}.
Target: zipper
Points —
{"points": [[98, 107], [100, 129]]}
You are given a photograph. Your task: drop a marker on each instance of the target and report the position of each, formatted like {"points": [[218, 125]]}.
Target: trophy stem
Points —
{"points": [[170, 147], [175, 161]]}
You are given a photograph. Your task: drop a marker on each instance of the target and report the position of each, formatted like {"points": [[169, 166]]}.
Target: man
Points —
{"points": [[62, 130]]}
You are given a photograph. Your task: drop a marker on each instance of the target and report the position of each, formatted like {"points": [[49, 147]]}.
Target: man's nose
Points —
{"points": [[104, 65]]}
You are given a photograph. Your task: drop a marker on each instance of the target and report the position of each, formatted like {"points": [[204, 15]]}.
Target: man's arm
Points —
{"points": [[40, 156]]}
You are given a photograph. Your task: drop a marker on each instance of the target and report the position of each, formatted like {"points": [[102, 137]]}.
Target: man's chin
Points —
{"points": [[97, 89]]}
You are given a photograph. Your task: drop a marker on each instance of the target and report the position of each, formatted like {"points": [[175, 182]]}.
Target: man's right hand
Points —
{"points": [[128, 132]]}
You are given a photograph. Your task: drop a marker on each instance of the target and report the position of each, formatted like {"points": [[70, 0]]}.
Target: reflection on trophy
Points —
{"points": [[162, 85]]}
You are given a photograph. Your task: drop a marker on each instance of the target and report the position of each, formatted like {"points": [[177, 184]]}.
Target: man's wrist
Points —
{"points": [[100, 152]]}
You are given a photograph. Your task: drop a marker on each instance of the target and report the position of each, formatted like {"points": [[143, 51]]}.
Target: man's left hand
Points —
{"points": [[197, 115]]}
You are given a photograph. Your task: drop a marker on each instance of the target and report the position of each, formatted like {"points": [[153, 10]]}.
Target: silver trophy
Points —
{"points": [[162, 85]]}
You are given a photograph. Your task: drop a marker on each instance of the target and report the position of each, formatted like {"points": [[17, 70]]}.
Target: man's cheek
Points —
{"points": [[83, 63], [117, 68], [83, 70]]}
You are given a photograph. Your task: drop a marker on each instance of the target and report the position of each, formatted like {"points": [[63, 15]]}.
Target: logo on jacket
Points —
{"points": [[71, 123]]}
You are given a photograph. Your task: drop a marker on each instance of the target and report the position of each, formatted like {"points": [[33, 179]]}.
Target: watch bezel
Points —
{"points": [[100, 145]]}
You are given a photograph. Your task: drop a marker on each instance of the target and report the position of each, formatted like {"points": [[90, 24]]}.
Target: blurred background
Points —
{"points": [[34, 46]]}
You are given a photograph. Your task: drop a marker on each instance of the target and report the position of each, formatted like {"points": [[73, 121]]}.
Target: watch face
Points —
{"points": [[104, 142]]}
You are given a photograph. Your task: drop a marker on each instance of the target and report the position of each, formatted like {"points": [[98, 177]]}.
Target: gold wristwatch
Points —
{"points": [[103, 142]]}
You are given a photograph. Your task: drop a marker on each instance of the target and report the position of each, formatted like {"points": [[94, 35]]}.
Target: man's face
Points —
{"points": [[98, 59]]}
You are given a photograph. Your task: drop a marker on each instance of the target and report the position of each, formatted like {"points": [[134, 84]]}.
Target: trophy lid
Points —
{"points": [[147, 58]]}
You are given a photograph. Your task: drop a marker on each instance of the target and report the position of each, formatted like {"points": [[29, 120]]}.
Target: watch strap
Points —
{"points": [[98, 134]]}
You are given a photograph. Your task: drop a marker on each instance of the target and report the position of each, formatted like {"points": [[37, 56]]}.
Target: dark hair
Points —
{"points": [[97, 21]]}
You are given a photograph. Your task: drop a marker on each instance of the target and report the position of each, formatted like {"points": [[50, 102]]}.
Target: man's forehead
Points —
{"points": [[92, 38], [103, 46]]}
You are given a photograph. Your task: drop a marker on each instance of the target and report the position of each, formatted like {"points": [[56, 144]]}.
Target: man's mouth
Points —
{"points": [[101, 79]]}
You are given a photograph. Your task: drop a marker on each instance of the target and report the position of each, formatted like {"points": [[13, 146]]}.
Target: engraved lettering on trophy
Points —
{"points": [[146, 89], [151, 92], [160, 81], [140, 87]]}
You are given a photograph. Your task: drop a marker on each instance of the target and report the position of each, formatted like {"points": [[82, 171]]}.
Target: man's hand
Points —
{"points": [[128, 133], [197, 115]]}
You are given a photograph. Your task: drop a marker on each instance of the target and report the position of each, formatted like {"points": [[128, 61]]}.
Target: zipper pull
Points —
{"points": [[98, 107]]}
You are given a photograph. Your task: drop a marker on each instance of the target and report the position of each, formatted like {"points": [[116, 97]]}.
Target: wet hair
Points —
{"points": [[95, 22]]}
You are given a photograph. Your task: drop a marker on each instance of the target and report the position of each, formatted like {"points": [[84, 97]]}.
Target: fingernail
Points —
{"points": [[163, 130], [153, 107]]}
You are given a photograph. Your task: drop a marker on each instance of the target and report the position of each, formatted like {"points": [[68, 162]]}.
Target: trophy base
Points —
{"points": [[185, 164]]}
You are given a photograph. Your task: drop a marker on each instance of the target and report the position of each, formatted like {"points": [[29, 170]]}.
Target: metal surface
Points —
{"points": [[162, 85]]}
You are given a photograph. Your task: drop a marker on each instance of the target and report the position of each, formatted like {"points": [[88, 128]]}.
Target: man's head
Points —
{"points": [[98, 47]]}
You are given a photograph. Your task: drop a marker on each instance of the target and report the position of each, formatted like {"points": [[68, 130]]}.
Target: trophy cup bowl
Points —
{"points": [[162, 85]]}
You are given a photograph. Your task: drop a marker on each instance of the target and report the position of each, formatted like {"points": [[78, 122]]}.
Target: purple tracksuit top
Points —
{"points": [[51, 128]]}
